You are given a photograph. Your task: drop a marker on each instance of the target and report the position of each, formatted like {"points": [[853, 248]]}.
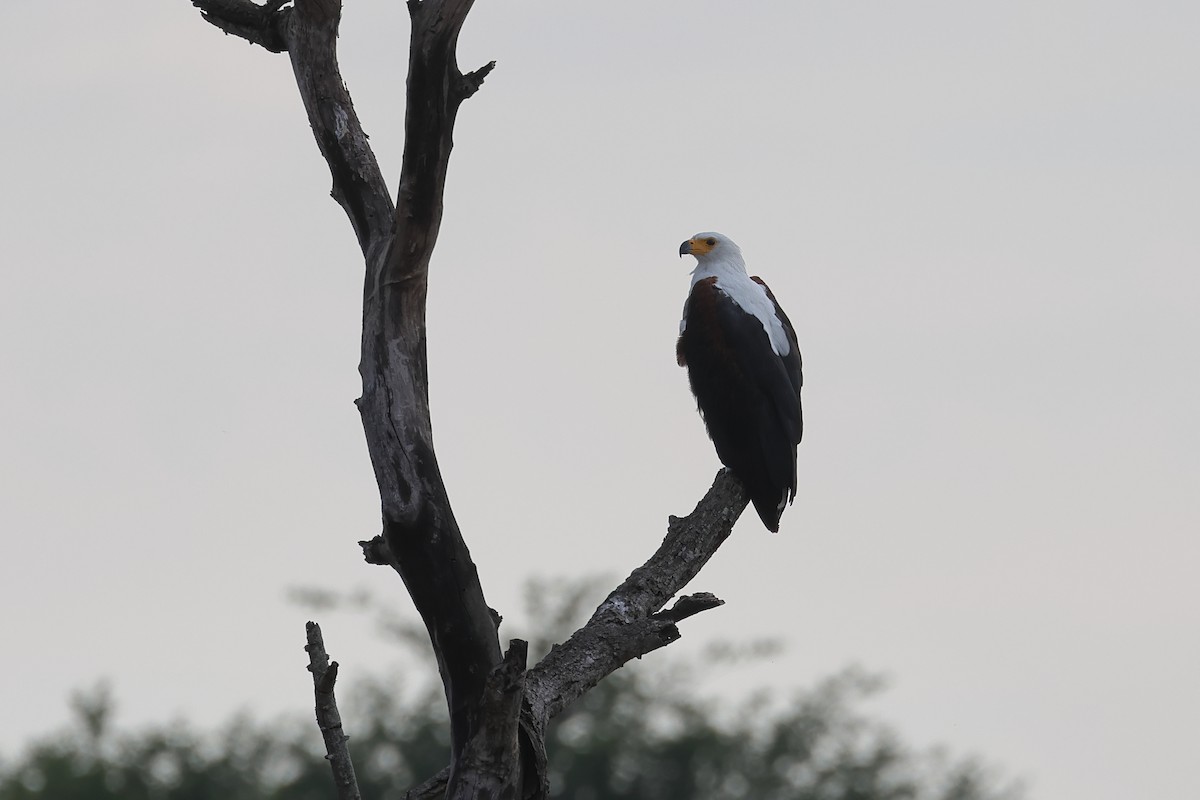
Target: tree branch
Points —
{"points": [[308, 32], [422, 539], [627, 624], [471, 82], [419, 529], [436, 88], [262, 25], [490, 763], [690, 605], [328, 719], [358, 184], [690, 542]]}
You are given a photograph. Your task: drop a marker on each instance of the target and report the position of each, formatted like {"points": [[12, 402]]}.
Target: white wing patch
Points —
{"points": [[752, 298]]}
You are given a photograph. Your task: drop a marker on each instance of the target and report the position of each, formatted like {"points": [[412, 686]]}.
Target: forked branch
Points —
{"points": [[629, 623]]}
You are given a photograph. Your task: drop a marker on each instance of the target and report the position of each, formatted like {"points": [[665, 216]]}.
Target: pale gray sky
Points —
{"points": [[981, 217]]}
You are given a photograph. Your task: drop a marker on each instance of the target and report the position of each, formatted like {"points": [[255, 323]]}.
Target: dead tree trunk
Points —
{"points": [[498, 709]]}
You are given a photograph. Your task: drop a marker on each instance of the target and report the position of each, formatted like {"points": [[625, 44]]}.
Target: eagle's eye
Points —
{"points": [[711, 241]]}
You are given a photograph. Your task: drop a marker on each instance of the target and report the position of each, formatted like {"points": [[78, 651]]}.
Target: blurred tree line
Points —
{"points": [[645, 733]]}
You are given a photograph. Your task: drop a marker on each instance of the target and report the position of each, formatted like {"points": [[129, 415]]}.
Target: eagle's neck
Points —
{"points": [[746, 294], [728, 269]]}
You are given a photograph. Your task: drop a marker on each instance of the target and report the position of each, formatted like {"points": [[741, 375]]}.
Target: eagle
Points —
{"points": [[744, 368]]}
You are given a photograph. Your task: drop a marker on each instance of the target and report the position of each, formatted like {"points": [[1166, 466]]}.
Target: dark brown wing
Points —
{"points": [[747, 394]]}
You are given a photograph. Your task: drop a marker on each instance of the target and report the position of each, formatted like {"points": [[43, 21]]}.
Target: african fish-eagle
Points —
{"points": [[744, 368]]}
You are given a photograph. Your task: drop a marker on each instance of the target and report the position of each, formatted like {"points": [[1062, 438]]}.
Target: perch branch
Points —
{"points": [[628, 623], [328, 719]]}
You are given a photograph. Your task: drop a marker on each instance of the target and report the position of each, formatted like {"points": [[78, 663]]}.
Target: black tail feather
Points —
{"points": [[769, 511]]}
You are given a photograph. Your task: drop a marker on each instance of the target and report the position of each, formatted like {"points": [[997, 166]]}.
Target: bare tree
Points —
{"points": [[498, 707]]}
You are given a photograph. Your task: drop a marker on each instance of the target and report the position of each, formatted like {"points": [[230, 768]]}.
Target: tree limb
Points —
{"points": [[358, 184], [490, 763], [433, 788], [690, 542], [308, 32], [690, 605], [423, 542], [627, 624], [329, 720], [262, 25], [419, 528]]}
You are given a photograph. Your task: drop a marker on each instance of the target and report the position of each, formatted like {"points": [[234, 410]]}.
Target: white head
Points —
{"points": [[709, 246]]}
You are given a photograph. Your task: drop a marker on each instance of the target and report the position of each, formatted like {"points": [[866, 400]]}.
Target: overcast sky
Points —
{"points": [[982, 218]]}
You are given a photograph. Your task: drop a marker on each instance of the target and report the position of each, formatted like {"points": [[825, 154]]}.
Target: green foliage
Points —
{"points": [[642, 733]]}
